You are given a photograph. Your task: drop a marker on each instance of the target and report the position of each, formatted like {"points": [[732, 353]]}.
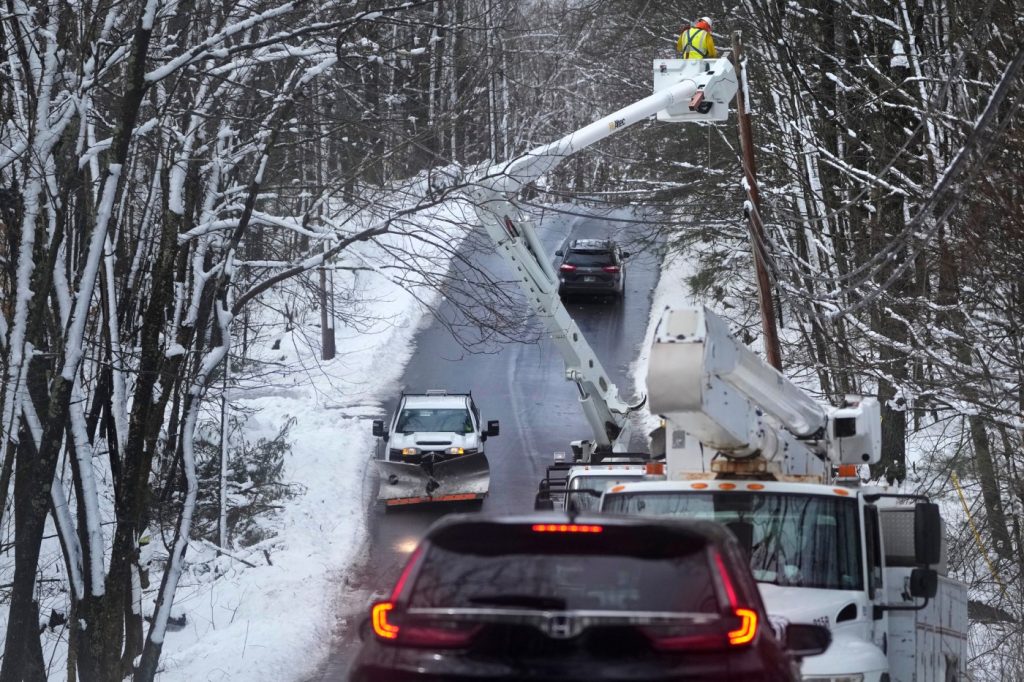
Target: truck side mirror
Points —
{"points": [[378, 427], [560, 252], [924, 583], [625, 254], [804, 639], [927, 534], [543, 502], [492, 428]]}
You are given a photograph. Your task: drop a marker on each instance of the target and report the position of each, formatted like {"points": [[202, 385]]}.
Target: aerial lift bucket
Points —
{"points": [[462, 478], [702, 105]]}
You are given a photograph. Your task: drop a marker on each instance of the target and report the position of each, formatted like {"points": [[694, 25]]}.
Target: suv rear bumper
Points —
{"points": [[588, 288], [377, 663]]}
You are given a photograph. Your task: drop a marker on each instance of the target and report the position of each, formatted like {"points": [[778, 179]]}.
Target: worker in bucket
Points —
{"points": [[695, 42]]}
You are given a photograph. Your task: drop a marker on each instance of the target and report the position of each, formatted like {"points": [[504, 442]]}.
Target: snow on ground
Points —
{"points": [[275, 620]]}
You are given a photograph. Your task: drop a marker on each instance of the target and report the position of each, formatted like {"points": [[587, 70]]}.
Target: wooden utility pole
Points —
{"points": [[757, 239], [327, 340]]}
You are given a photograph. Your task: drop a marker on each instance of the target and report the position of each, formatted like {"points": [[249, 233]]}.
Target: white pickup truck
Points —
{"points": [[433, 450]]}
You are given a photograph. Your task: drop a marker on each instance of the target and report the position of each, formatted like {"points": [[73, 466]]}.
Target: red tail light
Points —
{"points": [[611, 268], [747, 630], [379, 617], [452, 635], [567, 268], [711, 637], [565, 528]]}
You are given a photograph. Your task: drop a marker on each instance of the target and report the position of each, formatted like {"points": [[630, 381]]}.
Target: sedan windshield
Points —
{"points": [[421, 420], [794, 540]]}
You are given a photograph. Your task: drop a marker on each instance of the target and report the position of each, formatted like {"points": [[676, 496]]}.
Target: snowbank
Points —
{"points": [[271, 613]]}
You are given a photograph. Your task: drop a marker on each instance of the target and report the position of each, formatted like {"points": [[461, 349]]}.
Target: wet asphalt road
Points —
{"points": [[523, 386]]}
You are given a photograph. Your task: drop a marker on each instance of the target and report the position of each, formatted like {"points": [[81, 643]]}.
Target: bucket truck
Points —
{"points": [[748, 448], [691, 90]]}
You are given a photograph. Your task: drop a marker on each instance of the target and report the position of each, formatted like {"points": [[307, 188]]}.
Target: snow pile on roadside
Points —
{"points": [[270, 613]]}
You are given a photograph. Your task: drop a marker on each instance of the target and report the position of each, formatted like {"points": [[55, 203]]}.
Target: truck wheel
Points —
{"points": [[952, 670]]}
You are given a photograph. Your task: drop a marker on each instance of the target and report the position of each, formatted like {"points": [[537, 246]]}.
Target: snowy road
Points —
{"points": [[524, 387]]}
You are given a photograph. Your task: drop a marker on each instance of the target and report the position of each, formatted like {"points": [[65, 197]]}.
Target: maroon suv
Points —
{"points": [[566, 598]]}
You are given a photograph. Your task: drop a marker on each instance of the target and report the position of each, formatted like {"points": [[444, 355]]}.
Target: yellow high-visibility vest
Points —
{"points": [[695, 43]]}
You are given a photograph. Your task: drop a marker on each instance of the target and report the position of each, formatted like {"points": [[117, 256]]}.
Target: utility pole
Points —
{"points": [[328, 343], [327, 339], [222, 500], [757, 239]]}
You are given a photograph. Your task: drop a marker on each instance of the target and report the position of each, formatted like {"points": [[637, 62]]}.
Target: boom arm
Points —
{"points": [[714, 388], [516, 240]]}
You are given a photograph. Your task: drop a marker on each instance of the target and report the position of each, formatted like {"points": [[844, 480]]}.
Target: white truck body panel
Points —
{"points": [[930, 644], [910, 646]]}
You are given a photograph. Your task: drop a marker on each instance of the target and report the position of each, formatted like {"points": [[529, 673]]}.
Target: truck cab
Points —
{"points": [[575, 487], [864, 563]]}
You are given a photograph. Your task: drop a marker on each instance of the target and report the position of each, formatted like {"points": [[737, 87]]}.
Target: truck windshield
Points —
{"points": [[793, 540], [583, 501], [448, 420]]}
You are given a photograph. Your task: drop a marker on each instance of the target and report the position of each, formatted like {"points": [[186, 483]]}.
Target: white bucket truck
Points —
{"points": [[747, 448]]}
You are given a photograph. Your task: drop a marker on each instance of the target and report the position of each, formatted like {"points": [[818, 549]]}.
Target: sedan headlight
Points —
{"points": [[852, 677]]}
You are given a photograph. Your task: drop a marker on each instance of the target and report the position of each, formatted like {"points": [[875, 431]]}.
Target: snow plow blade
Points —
{"points": [[458, 479]]}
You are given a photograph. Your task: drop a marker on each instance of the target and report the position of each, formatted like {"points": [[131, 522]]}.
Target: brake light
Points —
{"points": [[747, 630], [567, 268], [730, 591], [396, 593], [432, 636], [566, 528], [379, 617], [611, 268]]}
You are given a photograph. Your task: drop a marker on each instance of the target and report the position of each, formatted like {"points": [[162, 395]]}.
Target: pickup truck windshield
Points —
{"points": [[792, 540], [454, 420]]}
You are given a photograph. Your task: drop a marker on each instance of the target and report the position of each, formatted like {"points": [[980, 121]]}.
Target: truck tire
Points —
{"points": [[952, 670]]}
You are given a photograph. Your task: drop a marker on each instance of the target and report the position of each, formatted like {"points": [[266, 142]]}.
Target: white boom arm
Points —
{"points": [[514, 235], [713, 387]]}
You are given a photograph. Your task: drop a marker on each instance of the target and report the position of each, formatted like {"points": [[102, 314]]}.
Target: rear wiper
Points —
{"points": [[527, 600]]}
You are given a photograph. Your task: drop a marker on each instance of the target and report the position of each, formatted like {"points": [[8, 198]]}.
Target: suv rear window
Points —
{"points": [[512, 566], [589, 258]]}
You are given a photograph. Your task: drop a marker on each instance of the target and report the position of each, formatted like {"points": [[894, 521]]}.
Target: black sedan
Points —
{"points": [[557, 597]]}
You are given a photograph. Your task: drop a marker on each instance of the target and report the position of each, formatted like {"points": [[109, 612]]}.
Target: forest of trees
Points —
{"points": [[164, 164]]}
